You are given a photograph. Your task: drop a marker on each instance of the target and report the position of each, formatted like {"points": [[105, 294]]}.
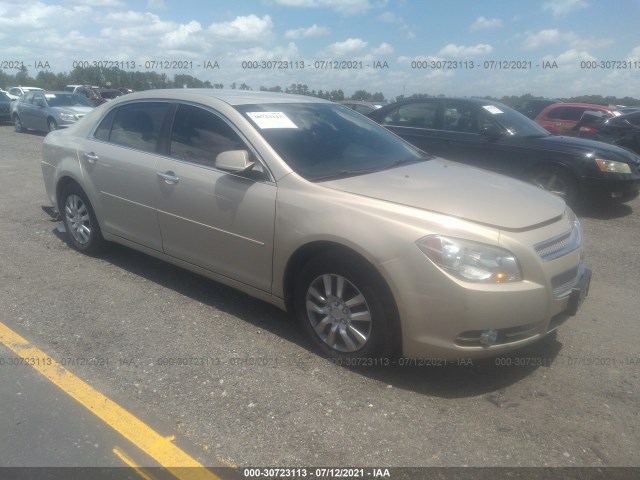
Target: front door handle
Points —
{"points": [[91, 157], [169, 177]]}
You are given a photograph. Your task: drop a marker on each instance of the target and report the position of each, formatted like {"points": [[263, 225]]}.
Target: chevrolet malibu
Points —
{"points": [[376, 247]]}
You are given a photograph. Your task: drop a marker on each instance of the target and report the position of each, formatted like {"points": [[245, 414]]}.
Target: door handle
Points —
{"points": [[91, 157], [169, 177]]}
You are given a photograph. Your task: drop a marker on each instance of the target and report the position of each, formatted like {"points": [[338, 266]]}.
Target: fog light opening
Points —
{"points": [[489, 337]]}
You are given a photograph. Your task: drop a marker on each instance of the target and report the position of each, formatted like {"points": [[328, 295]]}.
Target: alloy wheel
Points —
{"points": [[78, 219], [338, 312]]}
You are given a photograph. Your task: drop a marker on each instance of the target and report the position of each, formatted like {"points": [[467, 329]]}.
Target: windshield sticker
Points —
{"points": [[492, 109], [271, 120]]}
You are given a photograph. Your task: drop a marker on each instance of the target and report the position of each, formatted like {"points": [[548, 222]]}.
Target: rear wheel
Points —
{"points": [[83, 231], [344, 307], [558, 182], [17, 123]]}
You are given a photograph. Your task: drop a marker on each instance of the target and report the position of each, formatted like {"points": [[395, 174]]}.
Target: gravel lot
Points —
{"points": [[255, 394]]}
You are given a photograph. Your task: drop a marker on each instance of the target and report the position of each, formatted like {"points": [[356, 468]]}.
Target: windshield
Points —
{"points": [[67, 100], [321, 141], [4, 98], [514, 122]]}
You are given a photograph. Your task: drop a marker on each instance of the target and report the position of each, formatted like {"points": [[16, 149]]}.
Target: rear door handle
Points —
{"points": [[169, 177], [91, 157]]}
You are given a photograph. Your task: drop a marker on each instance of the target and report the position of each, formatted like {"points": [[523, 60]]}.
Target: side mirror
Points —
{"points": [[234, 161], [491, 131]]}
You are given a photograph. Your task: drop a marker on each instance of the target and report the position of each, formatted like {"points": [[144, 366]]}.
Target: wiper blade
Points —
{"points": [[344, 174]]}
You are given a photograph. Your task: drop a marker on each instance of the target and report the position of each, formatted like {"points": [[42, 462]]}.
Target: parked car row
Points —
{"points": [[376, 246], [623, 130], [493, 136]]}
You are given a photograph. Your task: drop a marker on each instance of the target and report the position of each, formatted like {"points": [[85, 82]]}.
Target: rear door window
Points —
{"points": [[566, 113], [137, 125], [416, 115]]}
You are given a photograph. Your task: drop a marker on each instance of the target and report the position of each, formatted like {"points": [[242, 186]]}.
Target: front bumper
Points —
{"points": [[442, 317], [616, 188]]}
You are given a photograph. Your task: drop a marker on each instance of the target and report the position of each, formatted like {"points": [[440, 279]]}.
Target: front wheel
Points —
{"points": [[344, 307], [52, 125], [83, 231], [558, 182]]}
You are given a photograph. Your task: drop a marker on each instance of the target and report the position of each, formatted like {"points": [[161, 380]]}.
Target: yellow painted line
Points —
{"points": [[125, 459], [137, 432]]}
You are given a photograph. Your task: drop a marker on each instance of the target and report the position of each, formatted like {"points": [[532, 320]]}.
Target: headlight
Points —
{"points": [[612, 166], [68, 117], [471, 261]]}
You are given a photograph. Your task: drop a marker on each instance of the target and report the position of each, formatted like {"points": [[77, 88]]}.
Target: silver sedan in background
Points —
{"points": [[47, 111], [377, 247]]}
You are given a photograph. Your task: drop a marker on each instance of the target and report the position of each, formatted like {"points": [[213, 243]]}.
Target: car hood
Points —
{"points": [[460, 191], [75, 110], [583, 146]]}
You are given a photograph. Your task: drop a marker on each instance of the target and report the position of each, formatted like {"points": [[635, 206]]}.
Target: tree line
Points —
{"points": [[116, 77]]}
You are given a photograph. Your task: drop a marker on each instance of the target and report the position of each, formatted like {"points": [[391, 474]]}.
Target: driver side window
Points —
{"points": [[199, 136]]}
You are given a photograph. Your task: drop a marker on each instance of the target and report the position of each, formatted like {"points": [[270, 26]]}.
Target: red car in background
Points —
{"points": [[562, 118]]}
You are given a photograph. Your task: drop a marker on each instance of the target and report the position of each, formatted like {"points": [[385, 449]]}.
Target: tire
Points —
{"points": [[345, 308], [52, 125], [557, 181], [81, 225], [17, 124]]}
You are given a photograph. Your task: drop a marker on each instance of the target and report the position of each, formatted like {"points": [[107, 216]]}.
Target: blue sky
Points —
{"points": [[458, 34]]}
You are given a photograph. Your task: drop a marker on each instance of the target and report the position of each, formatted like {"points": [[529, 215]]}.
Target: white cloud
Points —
{"points": [[101, 3], [38, 16], [546, 37], [347, 7], [131, 18], [313, 31], [553, 36], [242, 29], [560, 8], [571, 57], [383, 49], [634, 55], [182, 37], [452, 50], [350, 46], [483, 23], [290, 52]]}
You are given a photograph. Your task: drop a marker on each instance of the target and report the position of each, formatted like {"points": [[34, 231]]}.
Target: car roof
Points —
{"points": [[231, 97], [582, 105], [474, 100]]}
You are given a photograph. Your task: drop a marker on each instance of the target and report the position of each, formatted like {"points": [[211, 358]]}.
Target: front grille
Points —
{"points": [[561, 245]]}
